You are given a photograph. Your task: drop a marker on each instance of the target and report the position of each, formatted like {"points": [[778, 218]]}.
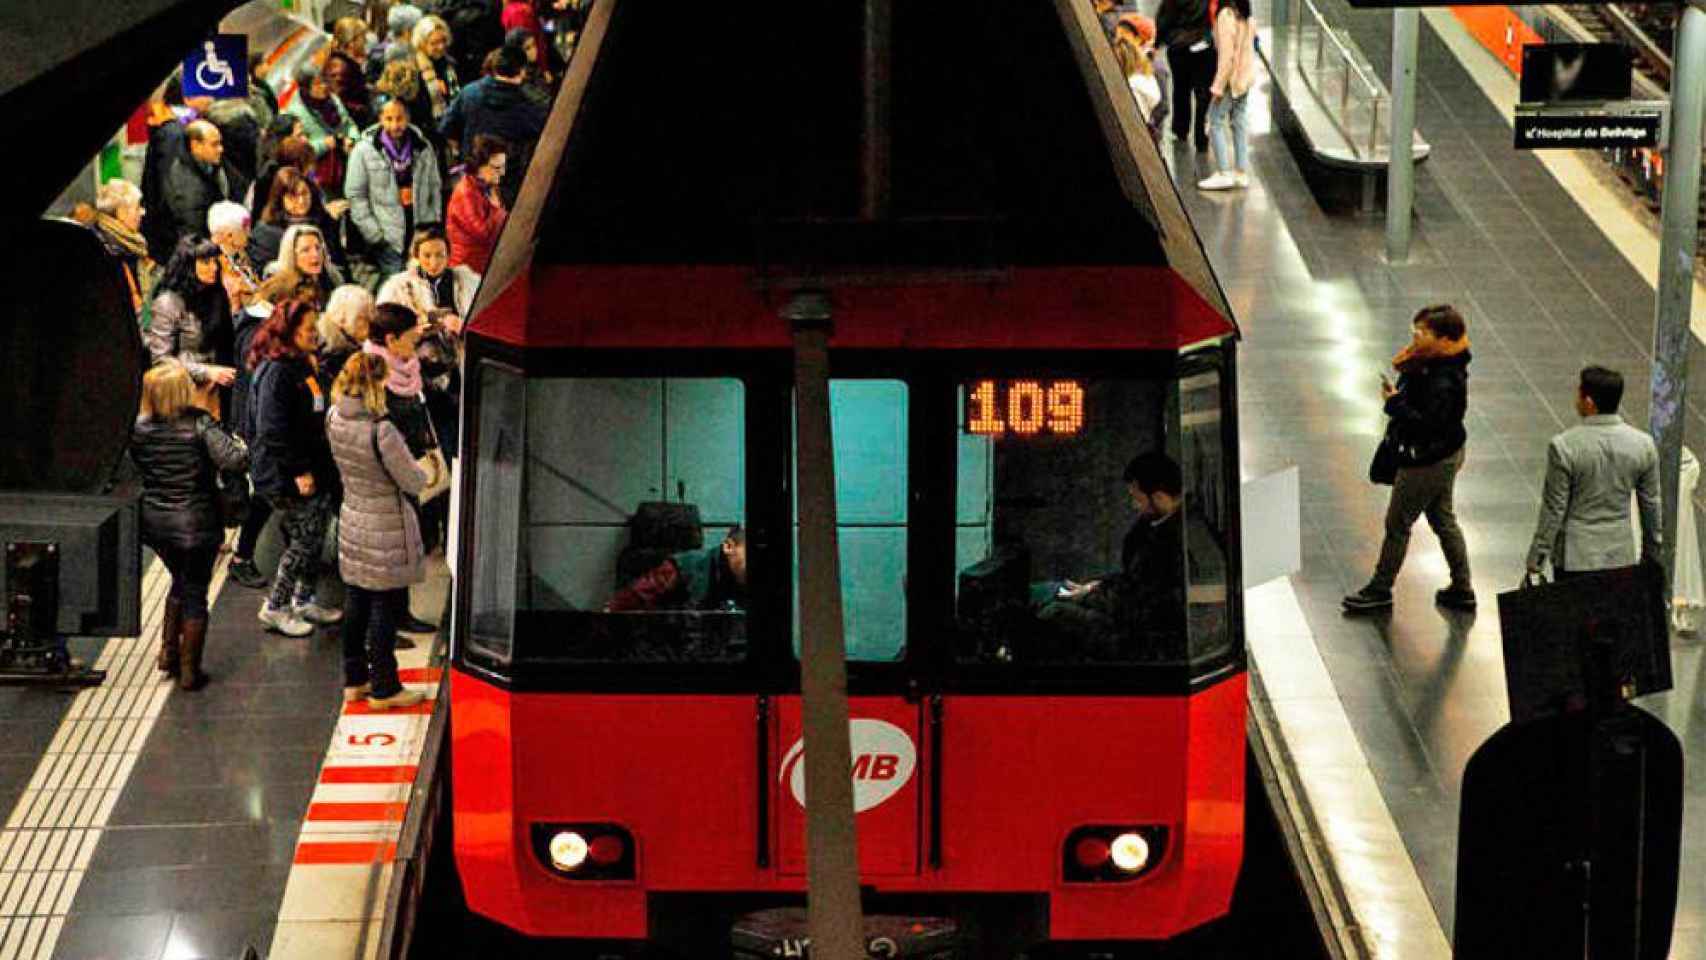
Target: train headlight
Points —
{"points": [[1129, 852], [568, 851], [1113, 853], [584, 851]]}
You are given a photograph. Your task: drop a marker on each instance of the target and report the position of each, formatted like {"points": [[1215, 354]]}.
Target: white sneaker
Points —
{"points": [[283, 621], [313, 612], [1219, 181], [1241, 179]]}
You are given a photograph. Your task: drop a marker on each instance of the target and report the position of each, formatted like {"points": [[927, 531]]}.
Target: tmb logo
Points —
{"points": [[883, 760]]}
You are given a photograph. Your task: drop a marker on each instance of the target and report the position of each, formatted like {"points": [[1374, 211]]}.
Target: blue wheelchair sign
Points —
{"points": [[219, 68]]}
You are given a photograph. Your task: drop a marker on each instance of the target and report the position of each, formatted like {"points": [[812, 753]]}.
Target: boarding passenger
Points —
{"points": [[1182, 26], [343, 329], [293, 200], [191, 320], [228, 225], [197, 179], [379, 543], [326, 124], [118, 225], [1425, 436], [178, 449], [303, 254], [501, 106], [476, 213], [344, 70], [293, 465], [393, 186], [1234, 74], [394, 335], [1591, 471], [710, 579], [443, 295], [400, 23], [431, 40], [248, 322]]}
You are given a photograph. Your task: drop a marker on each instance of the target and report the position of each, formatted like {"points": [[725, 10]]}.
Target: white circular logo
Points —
{"points": [[883, 760]]}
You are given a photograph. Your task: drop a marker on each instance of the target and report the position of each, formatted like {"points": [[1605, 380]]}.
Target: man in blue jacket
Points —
{"points": [[499, 105]]}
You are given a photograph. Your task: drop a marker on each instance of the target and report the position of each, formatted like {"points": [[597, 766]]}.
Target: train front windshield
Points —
{"points": [[989, 525]]}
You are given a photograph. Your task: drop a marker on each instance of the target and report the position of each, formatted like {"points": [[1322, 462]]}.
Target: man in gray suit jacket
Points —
{"points": [[1591, 469]]}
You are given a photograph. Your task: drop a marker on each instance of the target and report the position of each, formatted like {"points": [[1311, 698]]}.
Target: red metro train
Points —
{"points": [[1032, 394]]}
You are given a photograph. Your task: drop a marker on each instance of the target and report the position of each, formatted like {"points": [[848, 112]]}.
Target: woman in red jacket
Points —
{"points": [[475, 214]]}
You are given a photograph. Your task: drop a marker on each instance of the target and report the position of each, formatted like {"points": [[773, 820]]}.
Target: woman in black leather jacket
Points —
{"points": [[178, 449]]}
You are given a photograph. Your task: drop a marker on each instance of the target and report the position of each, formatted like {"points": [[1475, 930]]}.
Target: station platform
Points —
{"points": [[147, 823], [1542, 270]]}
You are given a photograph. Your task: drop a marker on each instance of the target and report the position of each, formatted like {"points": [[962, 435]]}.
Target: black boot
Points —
{"points": [[190, 676], [171, 625]]}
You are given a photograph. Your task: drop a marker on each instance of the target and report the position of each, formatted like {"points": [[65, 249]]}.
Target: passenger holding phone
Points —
{"points": [[1426, 409]]}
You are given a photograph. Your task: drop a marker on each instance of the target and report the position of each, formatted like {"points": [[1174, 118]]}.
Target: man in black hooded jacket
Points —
{"points": [[1426, 433], [1184, 28]]}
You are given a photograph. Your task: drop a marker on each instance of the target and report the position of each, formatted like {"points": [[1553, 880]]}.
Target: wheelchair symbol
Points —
{"points": [[214, 73]]}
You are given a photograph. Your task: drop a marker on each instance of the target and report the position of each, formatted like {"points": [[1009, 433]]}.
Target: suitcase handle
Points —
{"points": [[1530, 580]]}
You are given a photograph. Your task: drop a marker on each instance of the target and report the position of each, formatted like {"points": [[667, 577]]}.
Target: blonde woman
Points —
{"points": [[379, 540], [178, 449], [303, 254], [431, 40]]}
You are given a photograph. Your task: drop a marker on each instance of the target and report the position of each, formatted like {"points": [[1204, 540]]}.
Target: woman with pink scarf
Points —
{"points": [[395, 334]]}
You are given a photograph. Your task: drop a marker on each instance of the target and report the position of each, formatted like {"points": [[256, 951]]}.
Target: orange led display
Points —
{"points": [[1025, 408]]}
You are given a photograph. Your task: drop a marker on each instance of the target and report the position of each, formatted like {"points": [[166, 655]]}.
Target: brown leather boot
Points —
{"points": [[190, 676], [171, 624]]}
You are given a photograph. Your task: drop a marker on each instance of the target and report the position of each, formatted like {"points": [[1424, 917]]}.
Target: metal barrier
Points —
{"points": [[1336, 72]]}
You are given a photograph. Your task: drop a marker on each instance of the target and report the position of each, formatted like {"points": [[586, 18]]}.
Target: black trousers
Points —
{"points": [[260, 511], [1193, 73], [192, 572], [370, 638]]}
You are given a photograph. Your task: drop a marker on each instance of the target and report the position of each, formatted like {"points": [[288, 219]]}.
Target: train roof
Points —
{"points": [[998, 189]]}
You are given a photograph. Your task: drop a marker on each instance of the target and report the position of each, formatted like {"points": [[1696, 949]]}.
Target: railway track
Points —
{"points": [[1649, 31]]}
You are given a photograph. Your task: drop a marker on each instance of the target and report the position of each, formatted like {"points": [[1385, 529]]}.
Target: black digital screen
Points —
{"points": [[1576, 72]]}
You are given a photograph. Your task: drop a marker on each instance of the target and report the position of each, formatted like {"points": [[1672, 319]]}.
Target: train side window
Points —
{"points": [[869, 422], [635, 513], [497, 529], [1202, 455], [1058, 558]]}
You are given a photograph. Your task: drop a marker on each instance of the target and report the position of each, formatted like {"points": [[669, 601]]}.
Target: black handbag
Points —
{"points": [[234, 498], [1383, 469]]}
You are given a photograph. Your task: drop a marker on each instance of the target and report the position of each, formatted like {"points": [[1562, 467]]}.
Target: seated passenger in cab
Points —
{"points": [[1147, 594], [710, 579]]}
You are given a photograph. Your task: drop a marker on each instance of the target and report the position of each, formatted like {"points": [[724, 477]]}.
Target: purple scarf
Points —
{"points": [[401, 155], [404, 379]]}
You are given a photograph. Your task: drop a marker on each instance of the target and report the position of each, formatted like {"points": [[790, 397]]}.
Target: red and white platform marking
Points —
{"points": [[334, 900]]}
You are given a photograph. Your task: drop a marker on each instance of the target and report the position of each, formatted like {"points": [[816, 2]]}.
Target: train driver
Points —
{"points": [[710, 579], [1147, 592]]}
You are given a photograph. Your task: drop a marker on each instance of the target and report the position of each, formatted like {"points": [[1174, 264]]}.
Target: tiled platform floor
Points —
{"points": [[1544, 293]]}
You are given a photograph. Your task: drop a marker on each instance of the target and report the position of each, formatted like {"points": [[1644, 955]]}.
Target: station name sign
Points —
{"points": [[1542, 132], [1553, 127]]}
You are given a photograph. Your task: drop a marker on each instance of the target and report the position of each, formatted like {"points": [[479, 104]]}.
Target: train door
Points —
{"points": [[870, 424]]}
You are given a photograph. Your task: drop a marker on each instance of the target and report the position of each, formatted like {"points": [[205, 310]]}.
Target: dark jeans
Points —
{"points": [[1193, 74], [370, 638], [260, 511], [304, 527], [192, 571], [1417, 491]]}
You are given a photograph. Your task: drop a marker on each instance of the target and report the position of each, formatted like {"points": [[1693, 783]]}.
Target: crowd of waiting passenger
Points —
{"points": [[301, 261]]}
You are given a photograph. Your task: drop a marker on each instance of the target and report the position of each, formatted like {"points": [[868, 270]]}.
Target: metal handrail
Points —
{"points": [[1348, 65]]}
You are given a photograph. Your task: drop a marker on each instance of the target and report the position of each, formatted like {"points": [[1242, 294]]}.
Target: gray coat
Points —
{"points": [[375, 204], [379, 537], [1591, 469], [175, 331]]}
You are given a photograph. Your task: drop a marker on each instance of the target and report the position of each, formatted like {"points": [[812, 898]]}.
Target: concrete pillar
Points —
{"points": [[1401, 165]]}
